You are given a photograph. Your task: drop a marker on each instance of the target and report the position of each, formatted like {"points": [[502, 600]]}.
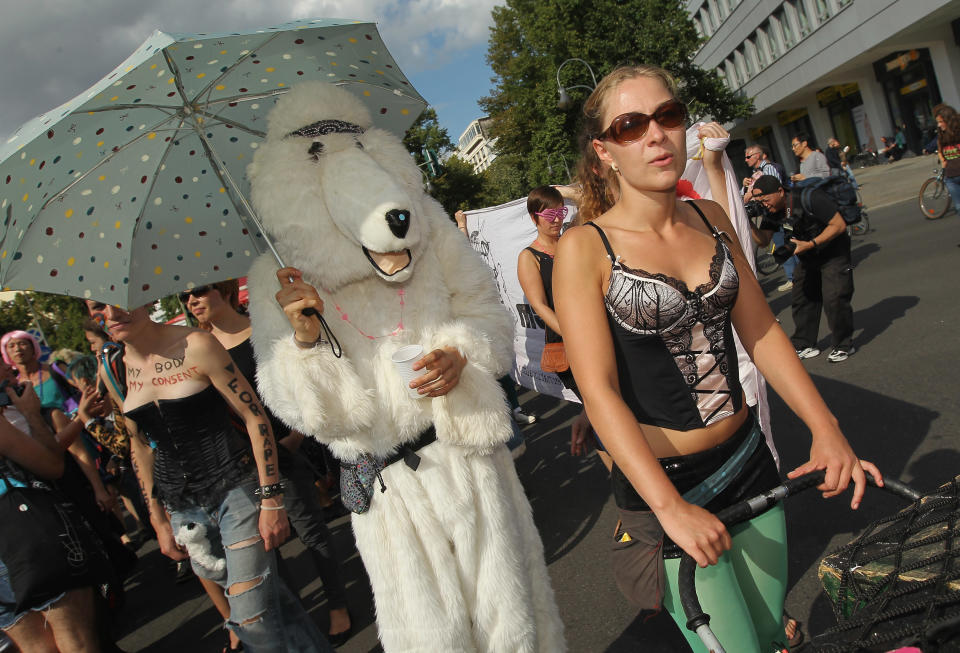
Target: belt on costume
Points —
{"points": [[407, 451]]}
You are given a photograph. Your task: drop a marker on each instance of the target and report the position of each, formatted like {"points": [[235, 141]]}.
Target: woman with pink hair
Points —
{"points": [[21, 350]]}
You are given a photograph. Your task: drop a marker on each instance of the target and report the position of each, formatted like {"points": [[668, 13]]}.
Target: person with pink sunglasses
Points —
{"points": [[535, 273]]}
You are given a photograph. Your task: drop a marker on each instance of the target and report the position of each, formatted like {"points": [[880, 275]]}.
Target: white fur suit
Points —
{"points": [[451, 549]]}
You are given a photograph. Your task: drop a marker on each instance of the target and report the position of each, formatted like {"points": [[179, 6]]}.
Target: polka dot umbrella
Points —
{"points": [[136, 188]]}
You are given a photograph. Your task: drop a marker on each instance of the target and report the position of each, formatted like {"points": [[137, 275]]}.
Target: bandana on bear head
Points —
{"points": [[324, 127]]}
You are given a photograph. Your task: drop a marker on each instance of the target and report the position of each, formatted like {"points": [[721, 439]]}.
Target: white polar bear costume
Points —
{"points": [[451, 548]]}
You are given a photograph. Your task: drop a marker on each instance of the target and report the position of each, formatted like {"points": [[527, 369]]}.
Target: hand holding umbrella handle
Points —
{"points": [[293, 290]]}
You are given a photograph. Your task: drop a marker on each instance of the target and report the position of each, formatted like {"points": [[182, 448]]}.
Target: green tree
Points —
{"points": [[503, 181], [530, 39], [458, 186], [426, 133], [171, 307], [60, 318]]}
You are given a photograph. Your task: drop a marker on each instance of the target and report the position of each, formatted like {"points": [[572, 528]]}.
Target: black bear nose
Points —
{"points": [[399, 221]]}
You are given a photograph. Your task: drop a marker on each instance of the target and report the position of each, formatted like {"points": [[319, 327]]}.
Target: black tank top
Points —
{"points": [[675, 353], [545, 263], [200, 456]]}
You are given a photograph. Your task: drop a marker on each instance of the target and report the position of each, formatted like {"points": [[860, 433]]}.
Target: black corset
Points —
{"points": [[199, 455]]}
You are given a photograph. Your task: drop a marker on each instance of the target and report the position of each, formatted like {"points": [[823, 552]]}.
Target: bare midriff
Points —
{"points": [[669, 442]]}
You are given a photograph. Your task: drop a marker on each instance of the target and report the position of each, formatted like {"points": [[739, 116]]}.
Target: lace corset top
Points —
{"points": [[674, 347]]}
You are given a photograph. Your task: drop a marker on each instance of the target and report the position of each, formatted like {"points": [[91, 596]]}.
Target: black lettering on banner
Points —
{"points": [[264, 431], [246, 397], [255, 409], [267, 452], [271, 469], [232, 384], [528, 318], [134, 371]]}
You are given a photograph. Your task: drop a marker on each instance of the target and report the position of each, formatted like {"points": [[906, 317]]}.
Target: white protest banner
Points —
{"points": [[499, 234]]}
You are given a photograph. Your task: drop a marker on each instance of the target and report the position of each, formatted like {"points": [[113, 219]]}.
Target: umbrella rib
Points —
{"points": [[233, 66], [251, 96], [247, 209], [105, 160], [232, 123], [175, 71], [394, 91], [126, 107], [6, 227], [153, 184]]}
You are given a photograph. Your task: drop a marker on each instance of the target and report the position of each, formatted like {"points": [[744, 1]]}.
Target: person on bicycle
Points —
{"points": [[948, 148], [647, 292]]}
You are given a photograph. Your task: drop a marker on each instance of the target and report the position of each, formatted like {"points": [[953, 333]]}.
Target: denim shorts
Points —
{"points": [[8, 617]]}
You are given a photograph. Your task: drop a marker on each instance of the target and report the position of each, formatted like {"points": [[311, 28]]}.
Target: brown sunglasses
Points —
{"points": [[630, 127]]}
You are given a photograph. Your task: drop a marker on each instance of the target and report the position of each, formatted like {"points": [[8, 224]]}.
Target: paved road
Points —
{"points": [[895, 398]]}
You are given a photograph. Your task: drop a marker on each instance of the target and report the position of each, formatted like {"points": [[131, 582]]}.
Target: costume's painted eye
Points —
{"points": [[316, 149]]}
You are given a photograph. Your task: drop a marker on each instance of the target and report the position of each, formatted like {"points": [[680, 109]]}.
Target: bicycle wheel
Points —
{"points": [[934, 199]]}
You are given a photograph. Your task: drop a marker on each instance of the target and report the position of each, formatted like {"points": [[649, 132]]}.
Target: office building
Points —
{"points": [[854, 69], [475, 145]]}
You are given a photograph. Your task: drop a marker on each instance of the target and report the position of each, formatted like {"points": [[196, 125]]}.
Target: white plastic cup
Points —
{"points": [[403, 359]]}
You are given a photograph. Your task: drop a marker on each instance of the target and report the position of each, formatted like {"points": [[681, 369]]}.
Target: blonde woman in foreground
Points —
{"points": [[647, 293]]}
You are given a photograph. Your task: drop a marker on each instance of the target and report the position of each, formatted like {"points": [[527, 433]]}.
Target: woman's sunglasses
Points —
{"points": [[552, 215], [630, 127], [199, 291]]}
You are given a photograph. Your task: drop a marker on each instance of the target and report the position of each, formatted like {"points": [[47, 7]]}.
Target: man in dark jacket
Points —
{"points": [[824, 278]]}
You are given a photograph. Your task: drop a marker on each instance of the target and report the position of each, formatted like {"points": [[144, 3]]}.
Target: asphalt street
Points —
{"points": [[896, 400]]}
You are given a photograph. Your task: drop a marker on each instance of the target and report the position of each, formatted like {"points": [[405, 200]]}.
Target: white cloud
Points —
{"points": [[51, 50]]}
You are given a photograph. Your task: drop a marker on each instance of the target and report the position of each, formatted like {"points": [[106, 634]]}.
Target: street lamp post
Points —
{"points": [[564, 101], [565, 167]]}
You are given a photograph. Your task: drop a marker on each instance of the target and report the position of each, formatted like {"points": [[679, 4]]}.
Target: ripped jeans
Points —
{"points": [[268, 617]]}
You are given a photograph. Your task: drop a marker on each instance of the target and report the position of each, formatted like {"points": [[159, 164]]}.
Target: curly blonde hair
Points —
{"points": [[599, 185]]}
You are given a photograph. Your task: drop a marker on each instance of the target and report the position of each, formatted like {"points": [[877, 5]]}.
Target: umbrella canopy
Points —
{"points": [[135, 189]]}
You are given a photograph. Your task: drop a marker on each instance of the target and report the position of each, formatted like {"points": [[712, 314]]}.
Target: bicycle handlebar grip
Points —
{"points": [[687, 586]]}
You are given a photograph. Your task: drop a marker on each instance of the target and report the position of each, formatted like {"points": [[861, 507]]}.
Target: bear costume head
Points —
{"points": [[339, 160]]}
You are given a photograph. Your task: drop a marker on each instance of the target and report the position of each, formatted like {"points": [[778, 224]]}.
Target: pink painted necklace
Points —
{"points": [[346, 318]]}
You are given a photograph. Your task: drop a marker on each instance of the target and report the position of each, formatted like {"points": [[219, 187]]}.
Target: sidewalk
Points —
{"points": [[887, 184]]}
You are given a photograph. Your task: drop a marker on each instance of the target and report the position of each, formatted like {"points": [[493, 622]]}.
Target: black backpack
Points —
{"points": [[841, 191]]}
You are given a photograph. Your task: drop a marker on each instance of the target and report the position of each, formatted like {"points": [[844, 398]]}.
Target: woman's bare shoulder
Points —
{"points": [[716, 214]]}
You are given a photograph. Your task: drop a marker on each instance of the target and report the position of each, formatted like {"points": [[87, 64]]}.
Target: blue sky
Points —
{"points": [[52, 50]]}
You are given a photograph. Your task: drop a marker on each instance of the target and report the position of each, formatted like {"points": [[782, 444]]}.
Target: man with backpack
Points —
{"points": [[823, 279]]}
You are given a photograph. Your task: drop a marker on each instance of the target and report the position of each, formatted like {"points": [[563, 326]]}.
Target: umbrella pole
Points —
{"points": [[225, 174], [36, 318]]}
